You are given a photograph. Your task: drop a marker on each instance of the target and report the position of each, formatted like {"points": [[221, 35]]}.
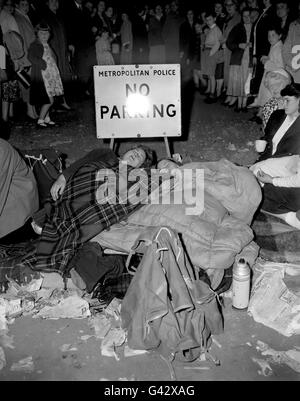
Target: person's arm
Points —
{"points": [[35, 55], [217, 41], [105, 155], [292, 181]]}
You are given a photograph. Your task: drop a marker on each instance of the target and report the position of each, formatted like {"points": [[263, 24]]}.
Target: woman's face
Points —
{"points": [[124, 17], [273, 37], [23, 6], [53, 5], [43, 36], [101, 6], [291, 104], [109, 12], [246, 17], [8, 6], [218, 8], [230, 7], [158, 10], [134, 157], [282, 10]]}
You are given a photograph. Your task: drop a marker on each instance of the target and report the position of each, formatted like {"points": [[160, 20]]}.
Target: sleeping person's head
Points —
{"points": [[139, 157], [167, 165]]}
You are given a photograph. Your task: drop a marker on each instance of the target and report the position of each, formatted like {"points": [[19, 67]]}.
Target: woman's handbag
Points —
{"points": [[24, 78]]}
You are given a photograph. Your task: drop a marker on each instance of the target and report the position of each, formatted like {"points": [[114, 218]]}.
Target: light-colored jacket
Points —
{"points": [[291, 51]]}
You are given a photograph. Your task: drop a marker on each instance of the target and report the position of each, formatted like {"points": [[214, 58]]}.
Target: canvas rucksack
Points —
{"points": [[168, 307]]}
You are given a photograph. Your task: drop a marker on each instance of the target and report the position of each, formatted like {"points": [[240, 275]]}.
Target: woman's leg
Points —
{"points": [[44, 112], [11, 110], [219, 87], [31, 111], [212, 85], [5, 108]]}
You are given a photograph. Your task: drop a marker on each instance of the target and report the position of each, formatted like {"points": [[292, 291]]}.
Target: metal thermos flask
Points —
{"points": [[241, 285]]}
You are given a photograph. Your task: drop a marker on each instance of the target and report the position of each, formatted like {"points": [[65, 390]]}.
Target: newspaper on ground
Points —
{"points": [[2, 359], [101, 324], [115, 338], [272, 303], [25, 365], [72, 307], [290, 357]]}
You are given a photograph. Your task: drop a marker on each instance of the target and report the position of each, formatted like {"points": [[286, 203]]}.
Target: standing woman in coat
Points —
{"points": [[126, 39], [45, 76], [59, 44], [239, 42]]}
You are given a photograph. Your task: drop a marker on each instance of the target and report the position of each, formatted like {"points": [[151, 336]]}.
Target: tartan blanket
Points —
{"points": [[78, 215]]}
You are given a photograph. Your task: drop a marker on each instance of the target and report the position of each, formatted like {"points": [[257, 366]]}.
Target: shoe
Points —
{"points": [[231, 105], [252, 106], [41, 124], [48, 121]]}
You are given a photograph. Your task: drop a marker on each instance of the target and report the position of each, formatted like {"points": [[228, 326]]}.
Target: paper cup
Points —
{"points": [[260, 145]]}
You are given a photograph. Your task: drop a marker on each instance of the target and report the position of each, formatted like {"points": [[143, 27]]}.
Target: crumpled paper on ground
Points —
{"points": [[101, 324], [272, 303], [290, 357], [72, 307], [25, 365], [113, 339], [2, 359]]}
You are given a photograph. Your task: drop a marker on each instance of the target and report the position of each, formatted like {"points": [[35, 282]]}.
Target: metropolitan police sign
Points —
{"points": [[137, 100]]}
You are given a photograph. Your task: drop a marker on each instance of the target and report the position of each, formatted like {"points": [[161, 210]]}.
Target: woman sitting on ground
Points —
{"points": [[278, 167]]}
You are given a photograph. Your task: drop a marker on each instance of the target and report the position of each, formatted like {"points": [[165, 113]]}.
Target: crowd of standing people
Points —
{"points": [[235, 50]]}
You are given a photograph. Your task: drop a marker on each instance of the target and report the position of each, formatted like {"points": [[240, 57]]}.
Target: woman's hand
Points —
{"points": [[243, 46], [263, 177], [58, 187], [264, 59]]}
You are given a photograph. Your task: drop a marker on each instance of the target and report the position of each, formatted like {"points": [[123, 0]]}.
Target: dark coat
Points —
{"points": [[187, 39], [58, 43], [38, 94], [237, 36], [78, 25], [261, 27], [289, 144]]}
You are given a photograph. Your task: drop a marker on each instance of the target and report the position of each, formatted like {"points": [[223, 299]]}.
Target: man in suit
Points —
{"points": [[261, 45], [80, 40]]}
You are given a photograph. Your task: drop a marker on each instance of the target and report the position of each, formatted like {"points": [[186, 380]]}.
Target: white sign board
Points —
{"points": [[137, 100]]}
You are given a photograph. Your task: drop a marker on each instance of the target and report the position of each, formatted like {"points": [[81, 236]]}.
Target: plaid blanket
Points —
{"points": [[78, 216]]}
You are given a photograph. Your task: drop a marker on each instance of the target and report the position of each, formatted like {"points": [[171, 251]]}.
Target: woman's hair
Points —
{"points": [[291, 90], [169, 159], [150, 156], [103, 30], [276, 28], [276, 80], [42, 26]]}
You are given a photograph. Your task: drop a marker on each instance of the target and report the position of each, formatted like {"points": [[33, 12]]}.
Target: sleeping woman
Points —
{"points": [[77, 212]]}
